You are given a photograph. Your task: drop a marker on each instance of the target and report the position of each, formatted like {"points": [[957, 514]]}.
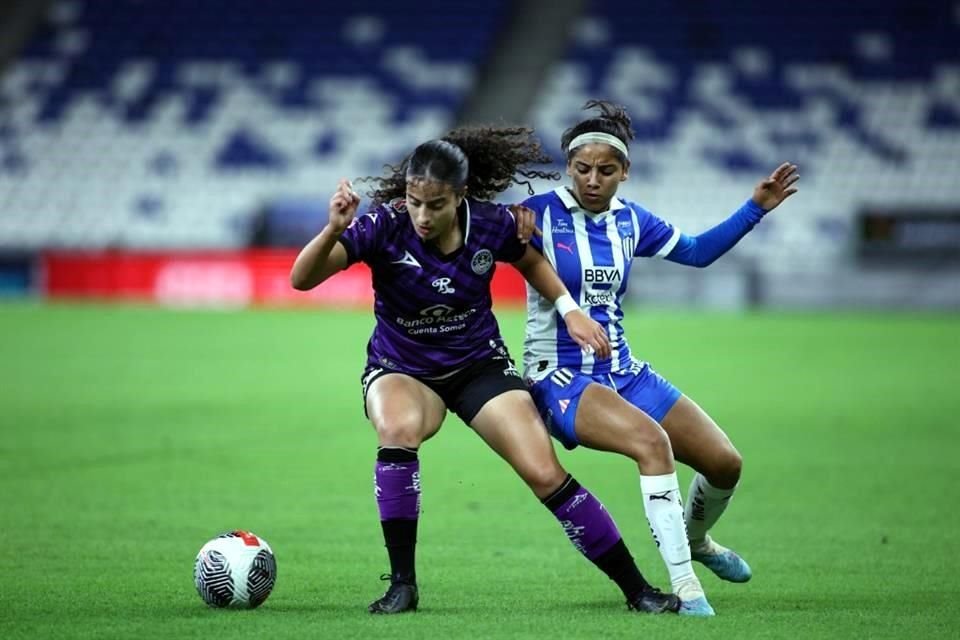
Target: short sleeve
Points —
{"points": [[655, 237], [364, 238], [536, 240], [509, 248]]}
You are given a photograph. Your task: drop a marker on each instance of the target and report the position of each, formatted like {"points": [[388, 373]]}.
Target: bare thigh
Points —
{"points": [[511, 426], [404, 411], [607, 422], [698, 442]]}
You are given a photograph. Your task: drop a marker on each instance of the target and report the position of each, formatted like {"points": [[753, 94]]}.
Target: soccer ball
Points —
{"points": [[236, 569]]}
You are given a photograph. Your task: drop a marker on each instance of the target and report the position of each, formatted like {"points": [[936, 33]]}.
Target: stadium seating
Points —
{"points": [[166, 123], [863, 95]]}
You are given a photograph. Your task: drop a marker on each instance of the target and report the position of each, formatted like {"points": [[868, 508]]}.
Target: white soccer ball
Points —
{"points": [[236, 569]]}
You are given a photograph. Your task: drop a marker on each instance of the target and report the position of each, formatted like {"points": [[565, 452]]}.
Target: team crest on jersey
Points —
{"points": [[398, 204], [629, 246], [481, 262]]}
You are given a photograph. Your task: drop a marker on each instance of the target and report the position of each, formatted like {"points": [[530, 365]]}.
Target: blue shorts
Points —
{"points": [[558, 395]]}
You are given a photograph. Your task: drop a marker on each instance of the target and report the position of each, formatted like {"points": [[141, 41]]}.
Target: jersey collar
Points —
{"points": [[465, 221], [572, 205]]}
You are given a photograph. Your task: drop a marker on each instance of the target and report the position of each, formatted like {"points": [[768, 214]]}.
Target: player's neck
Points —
{"points": [[585, 209], [450, 241]]}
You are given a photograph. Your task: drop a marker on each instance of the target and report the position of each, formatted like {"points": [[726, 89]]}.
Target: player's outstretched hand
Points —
{"points": [[588, 333], [778, 187], [526, 222], [343, 206]]}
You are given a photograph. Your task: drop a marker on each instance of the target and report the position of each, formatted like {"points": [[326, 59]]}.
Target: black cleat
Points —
{"points": [[399, 598], [652, 600]]}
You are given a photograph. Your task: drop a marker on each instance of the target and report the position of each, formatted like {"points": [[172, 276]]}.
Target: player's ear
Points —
{"points": [[461, 195], [626, 172], [569, 168]]}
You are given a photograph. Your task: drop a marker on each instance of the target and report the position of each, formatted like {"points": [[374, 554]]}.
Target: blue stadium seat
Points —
{"points": [[160, 123], [863, 95]]}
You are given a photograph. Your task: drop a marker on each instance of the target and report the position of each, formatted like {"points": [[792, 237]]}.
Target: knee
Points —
{"points": [[400, 429], [544, 480], [650, 446], [724, 470]]}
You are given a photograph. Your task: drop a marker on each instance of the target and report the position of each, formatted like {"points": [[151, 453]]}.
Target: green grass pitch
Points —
{"points": [[132, 435]]}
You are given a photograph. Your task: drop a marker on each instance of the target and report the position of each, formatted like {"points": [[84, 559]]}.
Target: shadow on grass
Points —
{"points": [[435, 606]]}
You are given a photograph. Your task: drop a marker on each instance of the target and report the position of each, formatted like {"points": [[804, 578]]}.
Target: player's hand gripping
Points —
{"points": [[777, 188], [343, 206], [588, 333], [526, 222]]}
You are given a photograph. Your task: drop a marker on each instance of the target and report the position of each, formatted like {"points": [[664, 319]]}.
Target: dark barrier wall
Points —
{"points": [[16, 275]]}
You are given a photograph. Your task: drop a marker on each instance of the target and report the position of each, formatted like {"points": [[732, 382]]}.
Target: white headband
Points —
{"points": [[597, 136]]}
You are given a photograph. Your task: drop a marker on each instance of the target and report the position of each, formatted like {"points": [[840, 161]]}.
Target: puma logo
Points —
{"points": [[661, 496], [566, 247]]}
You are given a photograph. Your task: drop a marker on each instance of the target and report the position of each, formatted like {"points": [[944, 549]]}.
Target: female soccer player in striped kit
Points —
{"points": [[431, 241], [621, 404]]}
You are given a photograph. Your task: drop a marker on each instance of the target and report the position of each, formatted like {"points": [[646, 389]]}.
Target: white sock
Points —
{"points": [[661, 501], [705, 504]]}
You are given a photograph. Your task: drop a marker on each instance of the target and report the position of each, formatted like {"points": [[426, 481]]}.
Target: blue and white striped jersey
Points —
{"points": [[593, 253]]}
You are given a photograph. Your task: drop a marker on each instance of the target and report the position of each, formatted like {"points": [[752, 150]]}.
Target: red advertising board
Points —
{"points": [[215, 278]]}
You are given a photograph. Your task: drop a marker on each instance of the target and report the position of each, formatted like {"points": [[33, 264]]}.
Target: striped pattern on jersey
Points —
{"points": [[433, 311], [593, 253]]}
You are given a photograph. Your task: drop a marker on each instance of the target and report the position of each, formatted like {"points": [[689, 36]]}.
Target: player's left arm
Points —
{"points": [[587, 332], [702, 250]]}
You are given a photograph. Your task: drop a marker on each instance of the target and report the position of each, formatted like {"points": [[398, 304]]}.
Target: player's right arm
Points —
{"points": [[324, 255]]}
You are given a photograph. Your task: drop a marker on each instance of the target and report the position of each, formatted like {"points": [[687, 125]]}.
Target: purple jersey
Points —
{"points": [[433, 311]]}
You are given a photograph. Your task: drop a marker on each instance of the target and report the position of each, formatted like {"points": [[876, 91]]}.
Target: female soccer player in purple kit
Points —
{"points": [[431, 241], [620, 404]]}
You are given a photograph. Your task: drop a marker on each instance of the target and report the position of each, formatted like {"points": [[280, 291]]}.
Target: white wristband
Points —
{"points": [[565, 304]]}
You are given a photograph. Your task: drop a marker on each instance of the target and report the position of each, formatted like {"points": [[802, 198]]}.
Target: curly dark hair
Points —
{"points": [[613, 119], [486, 160]]}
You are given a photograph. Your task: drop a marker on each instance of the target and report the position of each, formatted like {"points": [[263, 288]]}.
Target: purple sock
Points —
{"points": [[396, 483], [397, 487], [584, 520]]}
